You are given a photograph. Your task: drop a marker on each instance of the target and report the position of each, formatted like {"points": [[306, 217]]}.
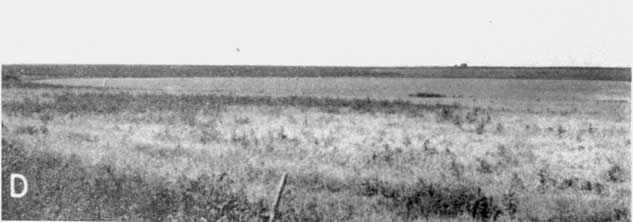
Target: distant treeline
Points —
{"points": [[75, 71]]}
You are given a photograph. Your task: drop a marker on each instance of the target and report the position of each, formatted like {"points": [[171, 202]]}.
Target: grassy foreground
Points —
{"points": [[138, 156]]}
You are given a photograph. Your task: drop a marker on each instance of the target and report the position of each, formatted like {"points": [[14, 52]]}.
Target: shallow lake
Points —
{"points": [[383, 88]]}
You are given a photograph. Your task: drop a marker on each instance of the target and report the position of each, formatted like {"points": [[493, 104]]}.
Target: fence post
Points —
{"points": [[280, 190]]}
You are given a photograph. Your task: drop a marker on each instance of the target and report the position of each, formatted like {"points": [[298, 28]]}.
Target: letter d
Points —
{"points": [[12, 185]]}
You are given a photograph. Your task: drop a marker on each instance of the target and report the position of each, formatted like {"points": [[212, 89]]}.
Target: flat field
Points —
{"points": [[153, 71], [148, 150]]}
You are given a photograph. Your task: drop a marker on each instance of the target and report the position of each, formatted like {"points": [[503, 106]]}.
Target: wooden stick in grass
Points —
{"points": [[280, 190]]}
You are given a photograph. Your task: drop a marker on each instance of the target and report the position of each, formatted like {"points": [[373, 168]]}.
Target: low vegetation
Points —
{"points": [[93, 154]]}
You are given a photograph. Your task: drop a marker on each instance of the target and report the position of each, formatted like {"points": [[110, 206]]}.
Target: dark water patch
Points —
{"points": [[427, 95]]}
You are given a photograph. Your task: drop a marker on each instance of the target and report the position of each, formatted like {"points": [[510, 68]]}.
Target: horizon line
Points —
{"points": [[334, 66]]}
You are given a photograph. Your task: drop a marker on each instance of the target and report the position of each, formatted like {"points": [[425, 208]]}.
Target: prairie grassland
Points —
{"points": [[91, 154]]}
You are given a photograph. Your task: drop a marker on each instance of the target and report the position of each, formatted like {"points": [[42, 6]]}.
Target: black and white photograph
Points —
{"points": [[420, 111]]}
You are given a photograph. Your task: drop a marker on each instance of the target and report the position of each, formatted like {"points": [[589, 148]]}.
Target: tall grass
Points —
{"points": [[64, 188]]}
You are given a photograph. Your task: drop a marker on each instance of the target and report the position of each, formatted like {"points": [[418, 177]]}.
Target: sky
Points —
{"points": [[338, 33]]}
